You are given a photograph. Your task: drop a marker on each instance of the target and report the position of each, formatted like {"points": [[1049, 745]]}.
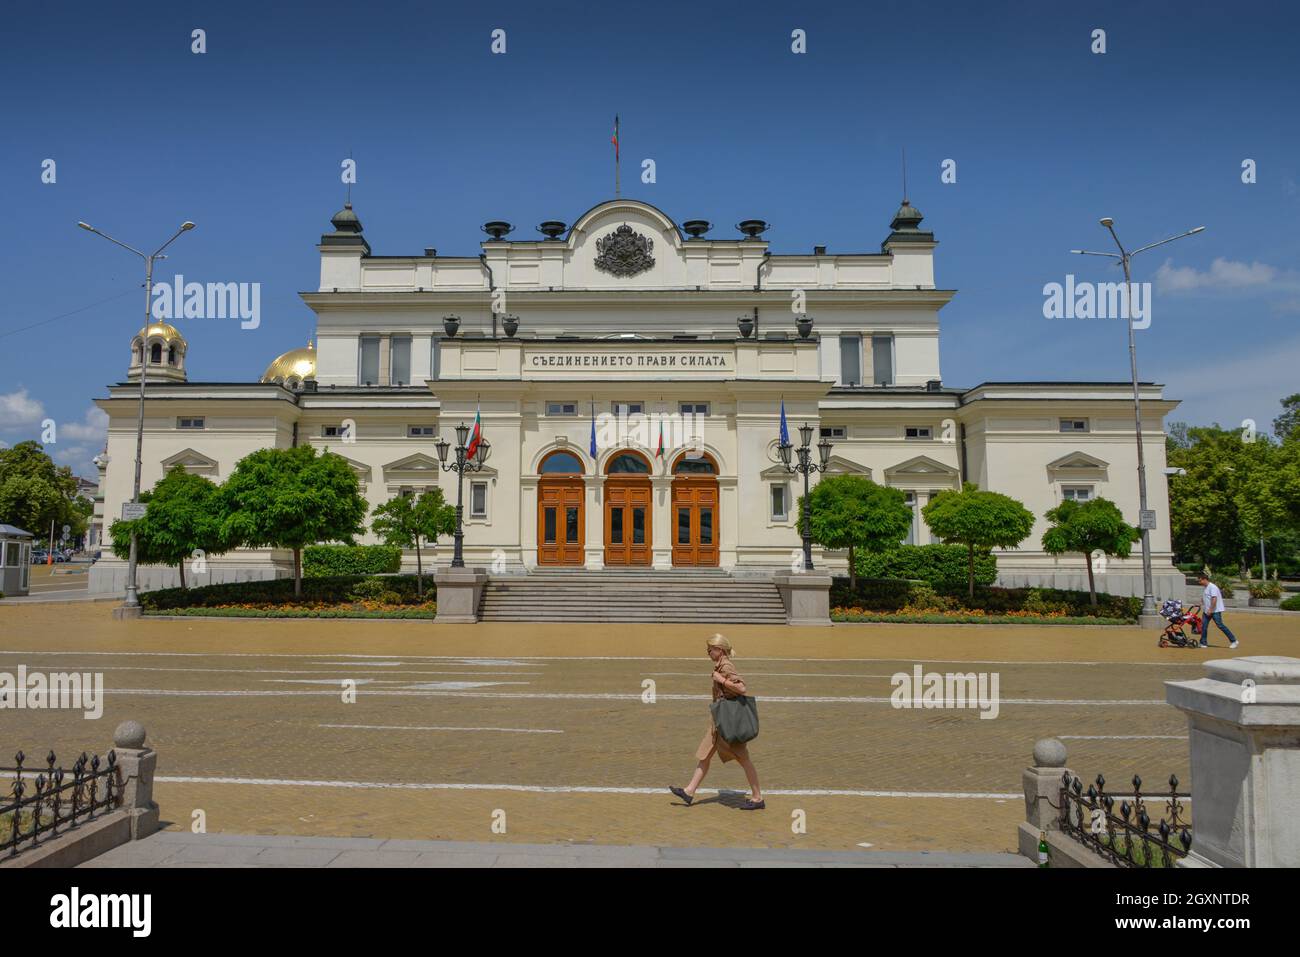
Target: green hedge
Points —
{"points": [[942, 566], [329, 561], [893, 596], [1291, 604], [937, 619], [395, 589], [403, 613]]}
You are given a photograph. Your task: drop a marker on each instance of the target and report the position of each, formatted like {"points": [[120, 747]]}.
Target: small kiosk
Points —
{"points": [[15, 560]]}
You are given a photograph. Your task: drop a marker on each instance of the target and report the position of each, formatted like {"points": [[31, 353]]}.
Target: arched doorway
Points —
{"points": [[695, 510], [560, 492], [627, 510]]}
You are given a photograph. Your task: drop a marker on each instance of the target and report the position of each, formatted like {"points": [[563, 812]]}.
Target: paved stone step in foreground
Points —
{"points": [[183, 849]]}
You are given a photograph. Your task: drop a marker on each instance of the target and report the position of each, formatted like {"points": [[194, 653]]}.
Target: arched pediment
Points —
{"points": [[615, 212]]}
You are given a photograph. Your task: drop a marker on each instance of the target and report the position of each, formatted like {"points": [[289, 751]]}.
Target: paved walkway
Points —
{"points": [[183, 849]]}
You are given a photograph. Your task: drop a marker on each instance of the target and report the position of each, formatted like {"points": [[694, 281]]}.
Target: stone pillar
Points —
{"points": [[1042, 786], [1244, 723], [662, 522], [593, 510], [807, 597], [460, 591], [136, 765]]}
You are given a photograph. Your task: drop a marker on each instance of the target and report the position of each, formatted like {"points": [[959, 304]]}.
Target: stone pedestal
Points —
{"points": [[1042, 786], [136, 765], [459, 592], [125, 613], [1244, 723], [807, 597]]}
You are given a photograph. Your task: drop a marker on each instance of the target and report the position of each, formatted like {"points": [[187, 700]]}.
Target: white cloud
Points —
{"points": [[19, 410], [1223, 274], [93, 427]]}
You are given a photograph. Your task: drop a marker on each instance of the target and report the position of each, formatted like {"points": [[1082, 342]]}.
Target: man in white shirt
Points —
{"points": [[1212, 611]]}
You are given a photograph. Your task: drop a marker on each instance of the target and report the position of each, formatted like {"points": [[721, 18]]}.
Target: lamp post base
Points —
{"points": [[126, 612]]}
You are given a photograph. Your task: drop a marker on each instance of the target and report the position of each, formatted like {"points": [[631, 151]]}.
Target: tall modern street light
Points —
{"points": [[131, 605], [805, 467], [463, 462], [1146, 520]]}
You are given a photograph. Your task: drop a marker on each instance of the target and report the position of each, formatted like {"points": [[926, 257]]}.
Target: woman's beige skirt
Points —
{"points": [[714, 742]]}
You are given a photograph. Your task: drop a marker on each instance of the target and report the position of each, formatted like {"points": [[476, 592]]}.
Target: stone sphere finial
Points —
{"points": [[129, 734], [1049, 753]]}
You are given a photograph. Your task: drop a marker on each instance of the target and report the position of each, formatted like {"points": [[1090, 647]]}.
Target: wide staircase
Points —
{"points": [[697, 594]]}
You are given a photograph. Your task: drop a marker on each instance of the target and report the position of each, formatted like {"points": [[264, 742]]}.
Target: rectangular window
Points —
{"points": [[399, 360], [190, 422], [420, 432], [11, 554], [368, 361], [780, 507], [571, 526], [628, 408], [333, 431], [561, 408], [882, 360], [918, 432], [910, 499], [850, 360], [616, 526], [548, 526], [694, 408], [638, 526], [478, 500], [683, 526], [1076, 493], [1074, 425], [833, 432]]}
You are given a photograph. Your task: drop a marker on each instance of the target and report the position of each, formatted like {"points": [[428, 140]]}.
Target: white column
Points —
{"points": [[594, 512]]}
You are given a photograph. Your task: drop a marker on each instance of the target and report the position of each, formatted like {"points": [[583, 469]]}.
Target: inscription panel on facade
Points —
{"points": [[656, 361]]}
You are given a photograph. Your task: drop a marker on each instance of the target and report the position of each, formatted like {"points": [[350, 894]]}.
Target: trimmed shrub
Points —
{"points": [[329, 561], [910, 597], [942, 566], [1265, 590], [1291, 604], [396, 590]]}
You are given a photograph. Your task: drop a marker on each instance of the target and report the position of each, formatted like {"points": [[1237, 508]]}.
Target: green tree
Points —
{"points": [[1087, 527], [977, 519], [405, 520], [1287, 425], [849, 511], [290, 498], [183, 517], [34, 492]]}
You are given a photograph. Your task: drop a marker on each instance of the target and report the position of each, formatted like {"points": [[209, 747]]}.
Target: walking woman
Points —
{"points": [[727, 683]]}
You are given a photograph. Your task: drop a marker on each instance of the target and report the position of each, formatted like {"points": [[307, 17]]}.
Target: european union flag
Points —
{"points": [[592, 450], [785, 429]]}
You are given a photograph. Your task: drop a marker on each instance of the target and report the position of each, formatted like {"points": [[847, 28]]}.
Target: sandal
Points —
{"points": [[752, 805], [681, 793]]}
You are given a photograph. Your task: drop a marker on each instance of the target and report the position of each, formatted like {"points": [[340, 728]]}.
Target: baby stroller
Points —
{"points": [[1175, 633]]}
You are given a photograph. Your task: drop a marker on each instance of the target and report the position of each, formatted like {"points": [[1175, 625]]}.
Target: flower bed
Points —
{"points": [[875, 598], [969, 617], [346, 596]]}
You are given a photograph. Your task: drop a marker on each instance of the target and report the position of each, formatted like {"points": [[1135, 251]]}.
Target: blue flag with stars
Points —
{"points": [[592, 450], [785, 429]]}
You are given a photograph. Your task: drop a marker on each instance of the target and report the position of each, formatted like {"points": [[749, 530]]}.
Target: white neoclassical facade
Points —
{"points": [[630, 325]]}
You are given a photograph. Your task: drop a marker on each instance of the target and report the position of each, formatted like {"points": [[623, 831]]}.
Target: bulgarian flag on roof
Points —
{"points": [[614, 139], [477, 435]]}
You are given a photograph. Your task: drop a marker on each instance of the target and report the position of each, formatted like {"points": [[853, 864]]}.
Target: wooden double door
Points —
{"points": [[560, 525], [627, 522], [695, 521]]}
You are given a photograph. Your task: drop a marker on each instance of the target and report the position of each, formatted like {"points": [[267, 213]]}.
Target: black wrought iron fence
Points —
{"points": [[56, 799], [1126, 839]]}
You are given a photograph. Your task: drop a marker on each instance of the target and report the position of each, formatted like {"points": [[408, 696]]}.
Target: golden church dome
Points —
{"points": [[293, 367], [168, 332]]}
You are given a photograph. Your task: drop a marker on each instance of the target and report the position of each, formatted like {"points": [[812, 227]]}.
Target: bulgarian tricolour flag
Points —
{"points": [[614, 139], [659, 452], [477, 436]]}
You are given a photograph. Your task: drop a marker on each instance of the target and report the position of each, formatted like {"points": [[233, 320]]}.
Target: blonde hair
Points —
{"points": [[719, 641]]}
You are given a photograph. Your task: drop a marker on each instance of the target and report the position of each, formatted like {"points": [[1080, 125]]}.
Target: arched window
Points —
{"points": [[627, 463], [171, 355], [563, 463], [689, 466], [155, 353]]}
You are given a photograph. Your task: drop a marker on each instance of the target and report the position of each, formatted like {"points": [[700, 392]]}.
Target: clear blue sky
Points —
{"points": [[246, 140]]}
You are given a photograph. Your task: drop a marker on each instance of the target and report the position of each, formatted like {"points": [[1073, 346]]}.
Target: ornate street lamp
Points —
{"points": [[805, 467], [460, 465]]}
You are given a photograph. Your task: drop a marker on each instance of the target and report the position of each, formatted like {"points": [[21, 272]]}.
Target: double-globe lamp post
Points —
{"points": [[1145, 519], [805, 466], [461, 464], [132, 601]]}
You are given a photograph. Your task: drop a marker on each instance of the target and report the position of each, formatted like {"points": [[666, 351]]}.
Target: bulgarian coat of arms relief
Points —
{"points": [[624, 252]]}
